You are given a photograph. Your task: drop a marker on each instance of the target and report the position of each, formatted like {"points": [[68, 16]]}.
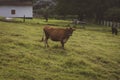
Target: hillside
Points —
{"points": [[90, 54]]}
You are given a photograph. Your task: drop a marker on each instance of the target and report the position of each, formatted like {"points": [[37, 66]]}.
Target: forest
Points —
{"points": [[81, 9]]}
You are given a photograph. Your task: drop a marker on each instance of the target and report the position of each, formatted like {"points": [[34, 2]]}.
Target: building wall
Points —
{"points": [[20, 11]]}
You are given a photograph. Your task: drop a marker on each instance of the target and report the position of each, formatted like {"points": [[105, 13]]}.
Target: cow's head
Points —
{"points": [[69, 31]]}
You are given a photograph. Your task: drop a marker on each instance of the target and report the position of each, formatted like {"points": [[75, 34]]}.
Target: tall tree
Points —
{"points": [[88, 8]]}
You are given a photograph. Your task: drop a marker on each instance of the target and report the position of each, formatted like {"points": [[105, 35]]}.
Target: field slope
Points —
{"points": [[92, 53]]}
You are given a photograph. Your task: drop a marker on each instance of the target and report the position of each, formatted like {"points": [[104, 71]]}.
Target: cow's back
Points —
{"points": [[56, 34]]}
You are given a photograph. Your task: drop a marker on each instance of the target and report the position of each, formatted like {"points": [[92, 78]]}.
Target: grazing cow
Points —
{"points": [[57, 34], [114, 29]]}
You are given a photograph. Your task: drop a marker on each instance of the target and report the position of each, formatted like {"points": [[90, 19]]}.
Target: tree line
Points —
{"points": [[86, 9]]}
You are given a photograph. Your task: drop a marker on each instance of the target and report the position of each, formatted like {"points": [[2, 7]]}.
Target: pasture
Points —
{"points": [[92, 53]]}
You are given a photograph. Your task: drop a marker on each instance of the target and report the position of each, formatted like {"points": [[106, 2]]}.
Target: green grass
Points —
{"points": [[92, 53]]}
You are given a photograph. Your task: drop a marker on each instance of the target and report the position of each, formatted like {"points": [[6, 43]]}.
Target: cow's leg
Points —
{"points": [[112, 30], [46, 39], [46, 42], [62, 42]]}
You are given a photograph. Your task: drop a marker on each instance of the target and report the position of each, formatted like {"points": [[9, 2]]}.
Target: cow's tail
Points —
{"points": [[42, 39]]}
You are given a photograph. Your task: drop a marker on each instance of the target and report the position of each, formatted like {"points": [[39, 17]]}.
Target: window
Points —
{"points": [[12, 12]]}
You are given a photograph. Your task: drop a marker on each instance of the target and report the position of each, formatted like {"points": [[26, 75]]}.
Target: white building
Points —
{"points": [[16, 8]]}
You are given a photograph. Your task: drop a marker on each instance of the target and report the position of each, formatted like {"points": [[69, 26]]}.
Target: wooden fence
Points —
{"points": [[110, 23]]}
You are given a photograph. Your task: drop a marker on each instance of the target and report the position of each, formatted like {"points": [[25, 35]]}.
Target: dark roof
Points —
{"points": [[16, 3]]}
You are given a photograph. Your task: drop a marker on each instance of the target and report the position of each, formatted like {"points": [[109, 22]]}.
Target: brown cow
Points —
{"points": [[57, 34]]}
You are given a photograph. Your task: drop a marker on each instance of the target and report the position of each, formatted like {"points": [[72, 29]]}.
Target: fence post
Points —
{"points": [[24, 18]]}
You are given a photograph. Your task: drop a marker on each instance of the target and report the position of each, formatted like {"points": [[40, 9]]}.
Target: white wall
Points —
{"points": [[5, 11]]}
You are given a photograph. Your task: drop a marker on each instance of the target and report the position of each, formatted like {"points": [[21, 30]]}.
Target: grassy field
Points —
{"points": [[92, 53]]}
